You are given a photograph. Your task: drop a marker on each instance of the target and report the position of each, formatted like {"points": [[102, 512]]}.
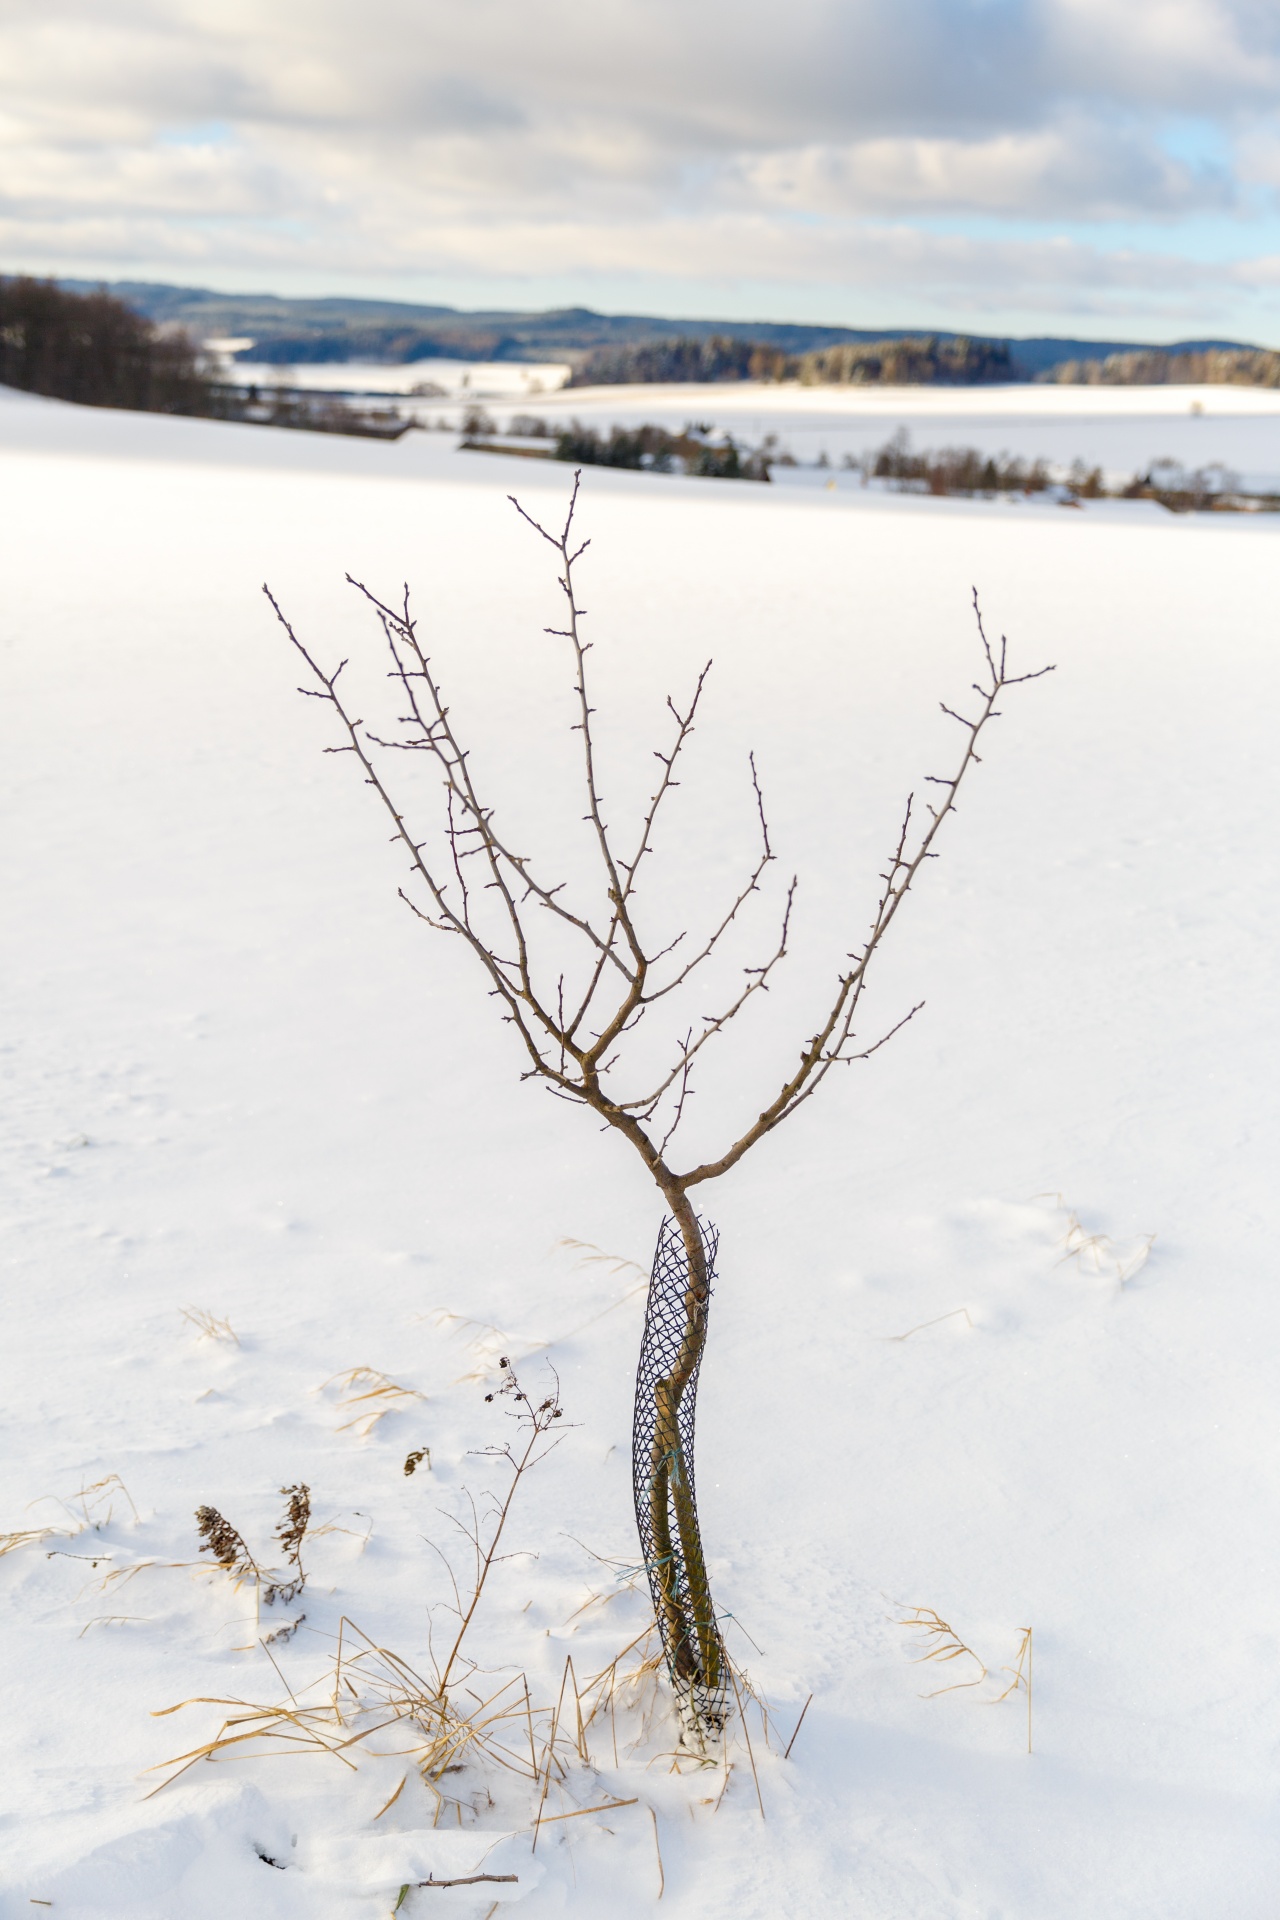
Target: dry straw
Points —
{"points": [[208, 1326], [1021, 1672], [89, 1509], [1098, 1253], [369, 1396], [450, 1718], [943, 1643]]}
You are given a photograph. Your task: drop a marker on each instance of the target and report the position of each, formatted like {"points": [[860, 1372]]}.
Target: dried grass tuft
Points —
{"points": [[488, 1345], [30, 1537], [491, 1346], [373, 1394], [1098, 1253], [589, 1255], [209, 1327], [942, 1643], [463, 1729], [89, 1509]]}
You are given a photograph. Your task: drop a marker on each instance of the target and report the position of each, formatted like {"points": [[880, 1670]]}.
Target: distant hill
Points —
{"points": [[285, 331]]}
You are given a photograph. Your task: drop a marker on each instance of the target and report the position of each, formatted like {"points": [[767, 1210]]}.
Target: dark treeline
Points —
{"points": [[1154, 367], [655, 450], [91, 348], [928, 361], [955, 470], [660, 361], [910, 362], [399, 346]]}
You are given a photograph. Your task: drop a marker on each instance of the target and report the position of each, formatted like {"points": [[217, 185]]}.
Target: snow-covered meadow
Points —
{"points": [[1121, 429], [242, 1080]]}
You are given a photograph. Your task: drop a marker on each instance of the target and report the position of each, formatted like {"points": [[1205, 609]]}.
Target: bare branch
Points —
{"points": [[571, 1047], [827, 1046]]}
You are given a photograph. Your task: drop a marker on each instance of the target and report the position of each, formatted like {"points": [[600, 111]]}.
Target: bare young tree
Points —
{"points": [[576, 1031]]}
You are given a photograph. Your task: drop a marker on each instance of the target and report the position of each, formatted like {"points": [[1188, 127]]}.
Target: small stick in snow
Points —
{"points": [[929, 1323], [578, 1812], [662, 1878], [799, 1723], [1020, 1679], [746, 1734], [471, 1880]]}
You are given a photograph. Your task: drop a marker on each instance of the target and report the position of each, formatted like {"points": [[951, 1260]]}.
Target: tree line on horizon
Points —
{"points": [[1154, 367], [924, 361], [92, 349]]}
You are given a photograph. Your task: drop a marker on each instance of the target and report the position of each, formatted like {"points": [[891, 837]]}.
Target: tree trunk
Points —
{"points": [[662, 1465]]}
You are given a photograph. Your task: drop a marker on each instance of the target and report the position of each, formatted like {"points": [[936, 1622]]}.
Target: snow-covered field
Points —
{"points": [[241, 1079], [1121, 429], [470, 379]]}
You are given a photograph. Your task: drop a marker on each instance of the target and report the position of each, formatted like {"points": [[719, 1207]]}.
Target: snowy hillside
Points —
{"points": [[996, 1332]]}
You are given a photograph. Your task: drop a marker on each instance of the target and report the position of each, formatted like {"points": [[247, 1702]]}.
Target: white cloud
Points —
{"points": [[1079, 171], [643, 136]]}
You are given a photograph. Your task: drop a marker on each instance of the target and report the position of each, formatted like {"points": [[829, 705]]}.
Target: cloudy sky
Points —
{"points": [[1101, 167]]}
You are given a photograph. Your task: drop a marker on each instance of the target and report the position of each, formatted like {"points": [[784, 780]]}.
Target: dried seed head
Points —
{"points": [[219, 1537]]}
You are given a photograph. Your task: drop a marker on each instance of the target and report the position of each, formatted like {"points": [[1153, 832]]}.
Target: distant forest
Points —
{"points": [[959, 362], [674, 361], [95, 350], [288, 331], [1213, 367], [930, 360], [106, 349]]}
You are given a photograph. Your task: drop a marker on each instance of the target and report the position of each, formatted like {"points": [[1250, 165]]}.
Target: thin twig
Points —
{"points": [[799, 1723], [746, 1734], [662, 1878]]}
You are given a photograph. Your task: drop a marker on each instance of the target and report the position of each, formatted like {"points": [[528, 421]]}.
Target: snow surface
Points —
{"points": [[1123, 430], [473, 379], [241, 1078]]}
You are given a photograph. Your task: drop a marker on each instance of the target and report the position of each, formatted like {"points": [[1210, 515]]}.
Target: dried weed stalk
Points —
{"points": [[370, 1690], [536, 1425], [451, 1719], [290, 1534], [218, 1537], [230, 1551], [1021, 1672]]}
